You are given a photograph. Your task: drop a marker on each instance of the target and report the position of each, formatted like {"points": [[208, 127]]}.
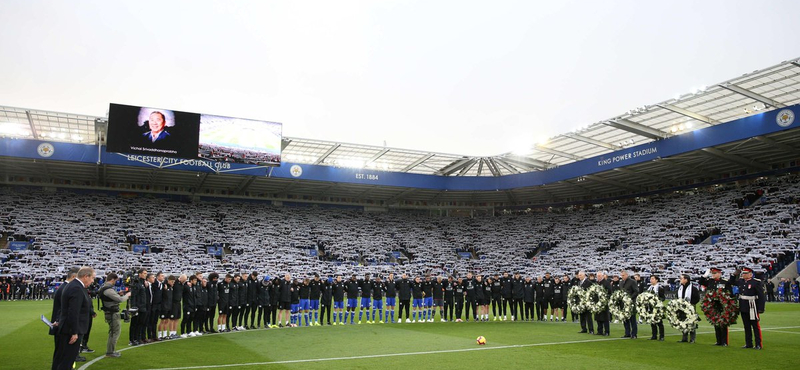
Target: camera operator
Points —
{"points": [[111, 300]]}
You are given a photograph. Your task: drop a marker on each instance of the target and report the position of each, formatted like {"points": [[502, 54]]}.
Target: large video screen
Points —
{"points": [[171, 133], [227, 139]]}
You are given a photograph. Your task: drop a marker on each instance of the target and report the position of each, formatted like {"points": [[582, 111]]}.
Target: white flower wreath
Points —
{"points": [[575, 299], [649, 308], [682, 315], [596, 299], [620, 305]]}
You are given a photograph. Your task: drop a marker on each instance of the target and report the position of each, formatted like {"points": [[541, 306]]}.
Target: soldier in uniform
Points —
{"points": [[751, 306], [716, 282]]}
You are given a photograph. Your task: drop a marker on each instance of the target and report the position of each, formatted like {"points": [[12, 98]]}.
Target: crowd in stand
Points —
{"points": [[658, 235]]}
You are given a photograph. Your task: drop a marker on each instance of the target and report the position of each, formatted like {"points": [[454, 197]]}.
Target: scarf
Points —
{"points": [[685, 292]]}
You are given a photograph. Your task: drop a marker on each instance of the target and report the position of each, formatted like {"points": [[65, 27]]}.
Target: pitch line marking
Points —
{"points": [[85, 366]]}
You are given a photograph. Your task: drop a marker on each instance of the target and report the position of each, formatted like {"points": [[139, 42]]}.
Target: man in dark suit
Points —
{"points": [[604, 316], [631, 287], [73, 322], [71, 274], [586, 316]]}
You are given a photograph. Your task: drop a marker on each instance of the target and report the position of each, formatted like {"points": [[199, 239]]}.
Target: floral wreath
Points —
{"points": [[649, 308], [620, 305], [682, 315], [720, 308], [595, 299], [575, 299]]}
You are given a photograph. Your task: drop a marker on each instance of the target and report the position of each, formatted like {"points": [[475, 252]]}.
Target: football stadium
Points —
{"points": [[163, 235]]}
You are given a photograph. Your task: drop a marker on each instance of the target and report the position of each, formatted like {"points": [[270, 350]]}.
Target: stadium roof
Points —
{"points": [[751, 93]]}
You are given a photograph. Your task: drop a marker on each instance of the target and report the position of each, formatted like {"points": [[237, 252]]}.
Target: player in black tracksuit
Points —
{"points": [[530, 296], [263, 302], [404, 296], [234, 302], [539, 287], [497, 298], [201, 299], [547, 287], [518, 295], [458, 298], [244, 301], [213, 299], [274, 296], [470, 285], [449, 302], [506, 294], [325, 304], [188, 306], [252, 300], [223, 301]]}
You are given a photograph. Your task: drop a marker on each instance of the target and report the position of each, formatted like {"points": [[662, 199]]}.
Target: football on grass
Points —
{"points": [[481, 340]]}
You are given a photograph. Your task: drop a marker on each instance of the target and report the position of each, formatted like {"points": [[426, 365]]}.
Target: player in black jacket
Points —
{"points": [[427, 299], [285, 300], [211, 302], [188, 307], [540, 309], [417, 295], [505, 293], [391, 297], [366, 295], [233, 297], [326, 296], [378, 288], [224, 302], [252, 300], [458, 298], [338, 301], [470, 285], [497, 298], [263, 305], [244, 301], [404, 295], [352, 288], [165, 327], [316, 290], [449, 302], [528, 313], [438, 296], [274, 299], [518, 296]]}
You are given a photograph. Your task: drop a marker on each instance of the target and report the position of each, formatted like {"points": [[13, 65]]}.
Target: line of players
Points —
{"points": [[246, 302]]}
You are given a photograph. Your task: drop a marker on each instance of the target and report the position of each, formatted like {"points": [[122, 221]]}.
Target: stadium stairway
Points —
{"points": [[789, 272]]}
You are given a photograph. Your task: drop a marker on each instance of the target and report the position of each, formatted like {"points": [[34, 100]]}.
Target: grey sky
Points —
{"points": [[465, 77]]}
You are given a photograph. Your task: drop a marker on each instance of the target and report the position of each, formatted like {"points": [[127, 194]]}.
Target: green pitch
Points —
{"points": [[24, 344]]}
